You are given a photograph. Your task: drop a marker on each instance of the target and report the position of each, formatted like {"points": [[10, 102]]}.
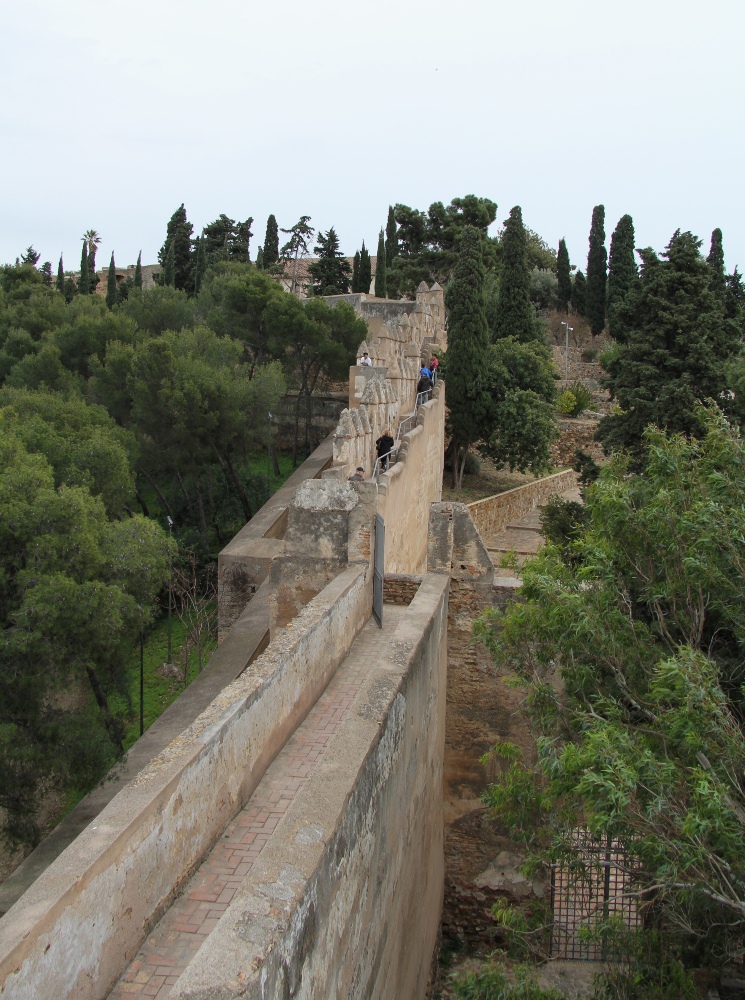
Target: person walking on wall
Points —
{"points": [[384, 446], [365, 359], [424, 384], [434, 365], [358, 477]]}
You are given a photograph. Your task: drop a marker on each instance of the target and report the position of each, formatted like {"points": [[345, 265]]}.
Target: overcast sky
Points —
{"points": [[113, 114]]}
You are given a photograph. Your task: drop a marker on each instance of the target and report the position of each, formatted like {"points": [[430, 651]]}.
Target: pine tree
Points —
{"points": [[271, 243], [60, 276], [356, 272], [381, 285], [678, 342], [260, 259], [715, 260], [622, 273], [46, 272], [365, 278], [467, 356], [169, 271], [579, 294], [84, 281], [597, 264], [138, 272], [178, 241], [391, 238], [564, 276], [515, 315], [331, 271], [111, 284]]}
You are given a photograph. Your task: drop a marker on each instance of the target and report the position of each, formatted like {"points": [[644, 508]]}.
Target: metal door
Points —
{"points": [[378, 569]]}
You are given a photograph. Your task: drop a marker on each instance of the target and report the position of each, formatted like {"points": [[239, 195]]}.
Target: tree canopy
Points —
{"points": [[677, 340], [629, 645]]}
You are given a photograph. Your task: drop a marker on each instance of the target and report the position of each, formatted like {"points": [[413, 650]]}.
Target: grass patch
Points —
{"points": [[159, 691]]}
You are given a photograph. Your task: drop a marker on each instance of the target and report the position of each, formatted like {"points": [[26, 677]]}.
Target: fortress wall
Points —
{"points": [[79, 924], [492, 514], [244, 563], [407, 490], [345, 899]]}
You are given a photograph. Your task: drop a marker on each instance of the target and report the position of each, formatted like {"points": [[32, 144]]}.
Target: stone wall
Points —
{"points": [[82, 920], [575, 435], [492, 514], [345, 900], [400, 588], [411, 485], [244, 563], [377, 409]]}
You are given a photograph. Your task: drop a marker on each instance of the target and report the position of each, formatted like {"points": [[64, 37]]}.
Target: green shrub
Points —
{"points": [[562, 521], [492, 984], [567, 403], [589, 354], [583, 395], [473, 464]]}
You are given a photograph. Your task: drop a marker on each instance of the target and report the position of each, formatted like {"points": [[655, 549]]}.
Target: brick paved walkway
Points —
{"points": [[176, 939]]}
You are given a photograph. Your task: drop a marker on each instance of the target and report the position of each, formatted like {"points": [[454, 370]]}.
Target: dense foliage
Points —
{"points": [[114, 415], [515, 315], [676, 341], [629, 642]]}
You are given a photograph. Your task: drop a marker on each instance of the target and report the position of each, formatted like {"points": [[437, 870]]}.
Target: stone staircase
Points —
{"points": [[523, 535]]}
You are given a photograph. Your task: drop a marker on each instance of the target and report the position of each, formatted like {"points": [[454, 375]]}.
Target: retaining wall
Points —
{"points": [[492, 514], [73, 932]]}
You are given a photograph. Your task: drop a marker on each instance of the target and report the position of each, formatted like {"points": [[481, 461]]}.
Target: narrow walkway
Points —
{"points": [[523, 536], [185, 926]]}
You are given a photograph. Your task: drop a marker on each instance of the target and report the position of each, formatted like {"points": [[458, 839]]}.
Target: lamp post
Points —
{"points": [[170, 585]]}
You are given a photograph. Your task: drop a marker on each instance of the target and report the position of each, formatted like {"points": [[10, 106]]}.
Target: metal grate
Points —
{"points": [[589, 894]]}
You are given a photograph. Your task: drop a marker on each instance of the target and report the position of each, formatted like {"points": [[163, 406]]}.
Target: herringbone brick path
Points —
{"points": [[175, 940]]}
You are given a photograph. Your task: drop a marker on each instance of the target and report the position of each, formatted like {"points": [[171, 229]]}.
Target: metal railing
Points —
{"points": [[408, 423]]}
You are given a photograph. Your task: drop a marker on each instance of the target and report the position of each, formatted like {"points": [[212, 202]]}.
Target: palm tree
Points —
{"points": [[92, 240]]}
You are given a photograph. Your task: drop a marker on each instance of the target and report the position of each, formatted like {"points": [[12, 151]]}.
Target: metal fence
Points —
{"points": [[588, 895]]}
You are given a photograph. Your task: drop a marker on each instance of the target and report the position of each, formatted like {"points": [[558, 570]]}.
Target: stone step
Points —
{"points": [[185, 927]]}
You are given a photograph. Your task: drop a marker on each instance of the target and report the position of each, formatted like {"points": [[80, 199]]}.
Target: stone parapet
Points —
{"points": [[493, 514], [345, 899], [74, 930]]}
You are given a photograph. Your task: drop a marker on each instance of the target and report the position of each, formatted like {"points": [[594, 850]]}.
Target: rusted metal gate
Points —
{"points": [[589, 895], [378, 569]]}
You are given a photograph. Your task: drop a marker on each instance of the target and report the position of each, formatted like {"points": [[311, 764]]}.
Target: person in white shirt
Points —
{"points": [[365, 359]]}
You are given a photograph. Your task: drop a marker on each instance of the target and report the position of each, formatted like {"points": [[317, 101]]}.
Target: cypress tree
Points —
{"points": [[84, 281], [622, 273], [60, 276], [169, 270], [467, 356], [579, 294], [678, 342], [381, 284], [111, 284], [138, 272], [179, 243], [356, 272], [391, 238], [515, 315], [92, 276], [597, 266], [715, 260], [365, 273], [200, 265], [564, 276], [271, 242], [260, 259]]}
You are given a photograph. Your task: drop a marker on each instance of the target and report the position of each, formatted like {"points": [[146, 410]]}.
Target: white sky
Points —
{"points": [[113, 114]]}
